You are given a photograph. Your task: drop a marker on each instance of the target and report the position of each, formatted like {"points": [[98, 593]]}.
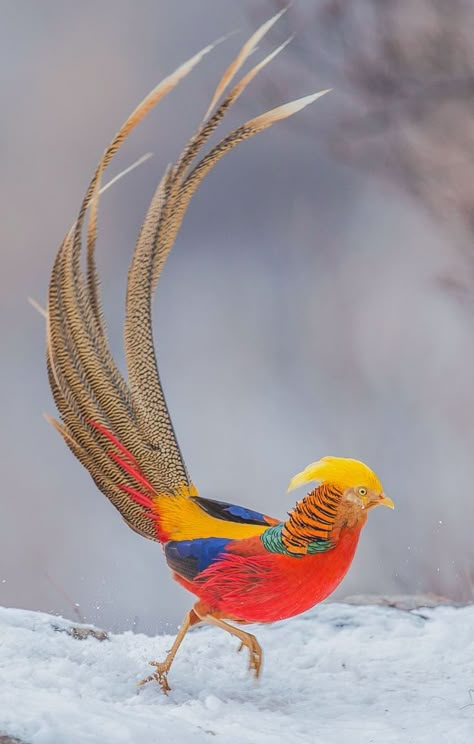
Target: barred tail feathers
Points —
{"points": [[151, 488]]}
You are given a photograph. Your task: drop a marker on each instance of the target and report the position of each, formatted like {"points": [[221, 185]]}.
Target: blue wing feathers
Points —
{"points": [[232, 512], [189, 557]]}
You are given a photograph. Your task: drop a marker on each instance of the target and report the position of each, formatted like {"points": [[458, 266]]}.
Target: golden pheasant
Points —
{"points": [[242, 565]]}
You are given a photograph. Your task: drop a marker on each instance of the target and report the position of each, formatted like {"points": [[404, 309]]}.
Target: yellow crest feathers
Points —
{"points": [[341, 471]]}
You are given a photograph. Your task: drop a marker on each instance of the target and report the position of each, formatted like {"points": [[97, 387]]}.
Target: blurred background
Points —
{"points": [[319, 299]]}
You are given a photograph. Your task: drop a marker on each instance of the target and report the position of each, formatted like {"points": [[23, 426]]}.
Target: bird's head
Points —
{"points": [[360, 488]]}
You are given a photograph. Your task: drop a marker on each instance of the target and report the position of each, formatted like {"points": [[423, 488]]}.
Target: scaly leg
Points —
{"points": [[247, 639], [163, 667]]}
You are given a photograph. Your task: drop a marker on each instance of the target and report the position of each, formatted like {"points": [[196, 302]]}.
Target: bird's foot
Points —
{"points": [[160, 676], [255, 653]]}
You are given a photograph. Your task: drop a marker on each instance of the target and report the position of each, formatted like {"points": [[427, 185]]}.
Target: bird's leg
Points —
{"points": [[247, 639], [163, 667]]}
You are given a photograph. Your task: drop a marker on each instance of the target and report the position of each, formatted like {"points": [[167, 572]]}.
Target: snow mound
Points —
{"points": [[336, 674]]}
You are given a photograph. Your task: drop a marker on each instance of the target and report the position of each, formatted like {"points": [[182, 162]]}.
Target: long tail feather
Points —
{"points": [[248, 48], [120, 430]]}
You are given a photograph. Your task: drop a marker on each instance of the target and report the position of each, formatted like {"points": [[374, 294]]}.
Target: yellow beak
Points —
{"points": [[385, 501]]}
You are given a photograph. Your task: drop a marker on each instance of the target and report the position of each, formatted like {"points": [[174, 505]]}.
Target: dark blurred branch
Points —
{"points": [[404, 78]]}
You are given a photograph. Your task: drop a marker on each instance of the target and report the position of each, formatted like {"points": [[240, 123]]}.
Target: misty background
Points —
{"points": [[319, 299]]}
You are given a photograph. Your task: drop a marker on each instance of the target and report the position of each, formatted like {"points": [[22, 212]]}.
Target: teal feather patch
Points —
{"points": [[320, 546]]}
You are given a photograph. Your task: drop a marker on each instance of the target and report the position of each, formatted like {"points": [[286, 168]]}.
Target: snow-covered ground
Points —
{"points": [[340, 673]]}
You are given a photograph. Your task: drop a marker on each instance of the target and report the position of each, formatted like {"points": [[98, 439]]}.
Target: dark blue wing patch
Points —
{"points": [[189, 557], [231, 512]]}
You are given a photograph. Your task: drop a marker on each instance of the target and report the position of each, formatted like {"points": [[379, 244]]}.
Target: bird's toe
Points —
{"points": [[160, 676]]}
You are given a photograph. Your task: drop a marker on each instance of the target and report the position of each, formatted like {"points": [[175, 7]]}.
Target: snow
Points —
{"points": [[340, 673]]}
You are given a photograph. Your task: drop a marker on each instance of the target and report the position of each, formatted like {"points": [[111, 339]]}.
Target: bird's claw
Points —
{"points": [[255, 654], [160, 676]]}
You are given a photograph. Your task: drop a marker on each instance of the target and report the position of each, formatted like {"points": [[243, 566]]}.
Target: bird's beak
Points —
{"points": [[385, 501]]}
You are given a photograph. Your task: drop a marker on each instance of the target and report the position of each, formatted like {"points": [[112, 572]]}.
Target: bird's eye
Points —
{"points": [[362, 491]]}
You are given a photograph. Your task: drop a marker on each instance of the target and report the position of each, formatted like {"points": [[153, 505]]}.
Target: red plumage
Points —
{"points": [[248, 584]]}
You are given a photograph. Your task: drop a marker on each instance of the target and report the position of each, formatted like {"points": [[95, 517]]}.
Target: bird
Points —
{"points": [[243, 566]]}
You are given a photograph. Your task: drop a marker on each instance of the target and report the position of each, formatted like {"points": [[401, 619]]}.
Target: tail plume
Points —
{"points": [[121, 430]]}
